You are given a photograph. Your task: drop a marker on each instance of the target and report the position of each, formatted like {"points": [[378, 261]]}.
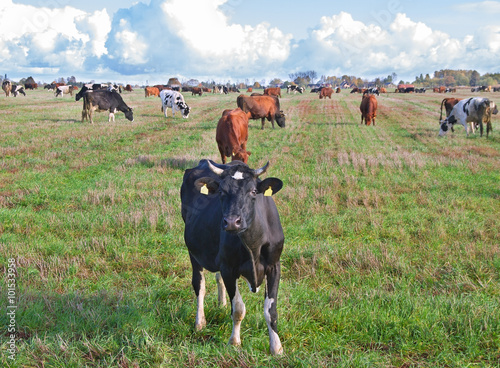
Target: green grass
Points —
{"points": [[391, 259]]}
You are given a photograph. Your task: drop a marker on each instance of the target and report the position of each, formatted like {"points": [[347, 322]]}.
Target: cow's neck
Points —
{"points": [[252, 239]]}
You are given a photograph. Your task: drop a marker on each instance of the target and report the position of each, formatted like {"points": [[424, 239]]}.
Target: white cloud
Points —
{"points": [[195, 38], [480, 6]]}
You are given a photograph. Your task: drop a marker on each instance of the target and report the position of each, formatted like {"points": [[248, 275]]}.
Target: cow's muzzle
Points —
{"points": [[232, 224]]}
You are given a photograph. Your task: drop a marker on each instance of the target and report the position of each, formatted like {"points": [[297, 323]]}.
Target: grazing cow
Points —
{"points": [[174, 100], [104, 100], [249, 89], [371, 91], [232, 226], [151, 91], [272, 91], [7, 87], [262, 107], [31, 85], [196, 91], [128, 88], [383, 90], [338, 90], [16, 89], [315, 89], [368, 108], [470, 110], [61, 90], [356, 90], [232, 135], [294, 89], [325, 92]]}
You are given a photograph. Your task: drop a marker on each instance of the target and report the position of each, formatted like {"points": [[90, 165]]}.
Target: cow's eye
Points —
{"points": [[253, 192]]}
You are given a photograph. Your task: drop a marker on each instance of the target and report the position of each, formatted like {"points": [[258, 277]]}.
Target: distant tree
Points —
{"points": [[275, 81], [257, 85], [71, 80], [474, 78]]}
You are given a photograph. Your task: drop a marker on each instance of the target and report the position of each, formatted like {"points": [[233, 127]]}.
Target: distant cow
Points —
{"points": [[31, 85], [262, 107], [249, 89], [7, 87], [151, 91], [294, 89], [174, 100], [232, 226], [470, 110], [61, 90], [104, 100], [128, 88], [326, 92], [368, 108], [16, 89], [272, 91], [232, 135], [196, 91]]}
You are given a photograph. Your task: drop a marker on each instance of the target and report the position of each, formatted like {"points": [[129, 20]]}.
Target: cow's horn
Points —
{"points": [[262, 170], [216, 170]]}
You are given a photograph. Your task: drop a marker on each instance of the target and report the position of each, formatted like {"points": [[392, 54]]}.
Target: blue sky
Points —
{"points": [[152, 40]]}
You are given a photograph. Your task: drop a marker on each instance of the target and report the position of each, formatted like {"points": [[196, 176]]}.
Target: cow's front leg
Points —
{"points": [[198, 282], [270, 312], [238, 309], [263, 121]]}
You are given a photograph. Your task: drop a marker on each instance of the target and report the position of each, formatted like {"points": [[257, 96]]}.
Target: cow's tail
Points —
{"points": [[441, 115]]}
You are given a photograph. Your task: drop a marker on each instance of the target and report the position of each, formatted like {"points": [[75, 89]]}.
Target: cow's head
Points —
{"points": [[494, 108], [239, 189], [129, 114], [447, 124], [241, 155], [280, 119], [184, 108]]}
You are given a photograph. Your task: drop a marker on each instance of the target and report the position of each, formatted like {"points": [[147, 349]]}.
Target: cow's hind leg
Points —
{"points": [[270, 313], [198, 282]]}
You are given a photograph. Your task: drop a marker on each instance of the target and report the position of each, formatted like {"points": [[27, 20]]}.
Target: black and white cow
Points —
{"points": [[294, 89], [16, 89], [474, 110], [103, 100], [232, 226], [61, 90], [174, 100]]}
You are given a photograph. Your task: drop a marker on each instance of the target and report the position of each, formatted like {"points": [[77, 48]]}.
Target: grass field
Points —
{"points": [[392, 234]]}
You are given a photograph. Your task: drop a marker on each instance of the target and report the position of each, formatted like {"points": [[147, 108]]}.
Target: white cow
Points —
{"points": [[474, 110], [175, 101], [61, 90]]}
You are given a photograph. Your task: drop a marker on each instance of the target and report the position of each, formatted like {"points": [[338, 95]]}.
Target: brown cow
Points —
{"points": [[250, 89], [448, 103], [232, 135], [128, 88], [325, 92], [368, 109], [151, 91], [196, 91], [273, 91], [262, 107], [338, 90]]}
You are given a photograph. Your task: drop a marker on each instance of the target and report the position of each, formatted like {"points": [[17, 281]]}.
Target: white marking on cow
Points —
{"points": [[275, 346], [200, 312], [237, 316], [250, 286], [238, 175]]}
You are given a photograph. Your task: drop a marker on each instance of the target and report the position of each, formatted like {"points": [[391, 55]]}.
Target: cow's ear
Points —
{"points": [[269, 186], [206, 185]]}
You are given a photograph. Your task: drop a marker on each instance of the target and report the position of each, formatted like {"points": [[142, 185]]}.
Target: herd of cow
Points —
{"points": [[232, 225]]}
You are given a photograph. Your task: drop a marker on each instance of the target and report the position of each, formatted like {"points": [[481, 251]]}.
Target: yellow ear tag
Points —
{"points": [[204, 189], [268, 192]]}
